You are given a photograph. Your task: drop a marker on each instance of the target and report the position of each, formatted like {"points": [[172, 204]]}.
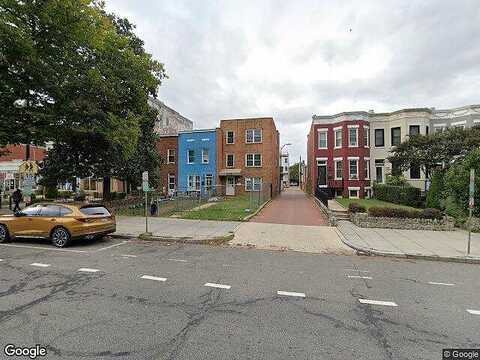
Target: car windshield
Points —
{"points": [[95, 210]]}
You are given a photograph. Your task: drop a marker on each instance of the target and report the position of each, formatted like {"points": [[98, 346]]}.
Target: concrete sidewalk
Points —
{"points": [[176, 229], [312, 239], [430, 245]]}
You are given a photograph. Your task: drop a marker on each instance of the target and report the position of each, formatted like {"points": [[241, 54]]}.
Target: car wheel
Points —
{"points": [[60, 237], [4, 236]]}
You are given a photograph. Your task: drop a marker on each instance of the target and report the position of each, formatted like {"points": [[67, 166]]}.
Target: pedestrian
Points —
{"points": [[153, 209], [17, 198]]}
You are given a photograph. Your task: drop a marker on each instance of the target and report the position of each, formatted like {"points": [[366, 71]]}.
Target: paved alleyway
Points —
{"points": [[292, 207]]}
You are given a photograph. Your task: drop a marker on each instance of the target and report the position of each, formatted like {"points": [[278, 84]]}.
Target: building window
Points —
{"points": [[368, 193], [322, 139], [353, 169], [205, 156], [208, 182], [171, 182], [366, 136], [379, 137], [230, 137], [230, 160], [191, 156], [338, 138], [171, 156], [427, 129], [338, 169], [367, 169], [254, 160], [193, 183], [353, 137], [396, 136], [414, 171], [253, 183], [396, 170], [253, 136], [379, 163], [353, 192], [414, 130]]}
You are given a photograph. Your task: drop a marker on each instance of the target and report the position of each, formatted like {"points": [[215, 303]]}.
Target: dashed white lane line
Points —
{"points": [[289, 293], [128, 256], [88, 270], [218, 286], [148, 277], [111, 246], [45, 248], [440, 283], [177, 260], [377, 302], [364, 271], [1, 260], [359, 277], [40, 265], [473, 312]]}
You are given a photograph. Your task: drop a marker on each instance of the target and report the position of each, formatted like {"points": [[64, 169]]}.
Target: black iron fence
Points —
{"points": [[322, 196]]}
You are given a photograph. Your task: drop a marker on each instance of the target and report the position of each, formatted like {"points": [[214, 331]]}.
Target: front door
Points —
{"points": [[230, 190], [322, 175]]}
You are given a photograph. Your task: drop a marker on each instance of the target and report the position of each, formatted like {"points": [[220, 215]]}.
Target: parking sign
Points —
{"points": [[145, 181]]}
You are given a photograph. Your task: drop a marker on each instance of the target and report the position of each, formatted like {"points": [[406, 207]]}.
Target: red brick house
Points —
{"points": [[338, 155], [167, 148]]}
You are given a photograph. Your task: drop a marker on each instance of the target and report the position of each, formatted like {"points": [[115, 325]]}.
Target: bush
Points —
{"points": [[51, 192], [400, 213], [65, 194], [435, 192], [396, 180], [404, 195], [356, 208], [80, 196]]}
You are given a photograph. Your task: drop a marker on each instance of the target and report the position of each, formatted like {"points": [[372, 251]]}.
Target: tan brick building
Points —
{"points": [[167, 148], [248, 156]]}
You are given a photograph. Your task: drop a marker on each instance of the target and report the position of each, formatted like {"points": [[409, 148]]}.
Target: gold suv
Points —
{"points": [[59, 222]]}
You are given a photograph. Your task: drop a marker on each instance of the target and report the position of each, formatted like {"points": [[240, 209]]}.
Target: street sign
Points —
{"points": [[28, 184], [28, 167], [471, 202], [146, 187]]}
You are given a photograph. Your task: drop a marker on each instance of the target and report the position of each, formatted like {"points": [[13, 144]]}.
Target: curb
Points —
{"points": [[248, 217], [372, 252], [218, 240]]}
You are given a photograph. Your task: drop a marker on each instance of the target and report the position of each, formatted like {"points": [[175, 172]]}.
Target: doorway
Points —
{"points": [[230, 189], [322, 173]]}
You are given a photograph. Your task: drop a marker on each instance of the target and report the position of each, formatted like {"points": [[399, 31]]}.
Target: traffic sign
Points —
{"points": [[28, 167], [28, 184], [471, 202], [146, 187]]}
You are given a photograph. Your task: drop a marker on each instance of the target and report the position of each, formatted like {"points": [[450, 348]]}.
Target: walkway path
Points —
{"points": [[292, 207]]}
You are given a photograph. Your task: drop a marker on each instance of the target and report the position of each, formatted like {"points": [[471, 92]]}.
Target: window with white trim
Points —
{"points": [[171, 156], [253, 183], [353, 137], [367, 169], [191, 156], [322, 139], [171, 182], [353, 193], [230, 160], [208, 182], [366, 136], [205, 156], [230, 137], [193, 182], [353, 169], [253, 160], [338, 169], [253, 136], [338, 138]]}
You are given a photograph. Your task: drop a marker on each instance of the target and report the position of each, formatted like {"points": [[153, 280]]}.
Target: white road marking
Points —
{"points": [[440, 283], [377, 302], [1, 259], [473, 312], [40, 264], [128, 256], [288, 293], [177, 260], [148, 277], [364, 271], [45, 248], [219, 286], [359, 277], [88, 270], [111, 246]]}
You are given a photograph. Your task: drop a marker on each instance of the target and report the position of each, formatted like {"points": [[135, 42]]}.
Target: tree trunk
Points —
{"points": [[27, 152], [74, 184], [106, 188]]}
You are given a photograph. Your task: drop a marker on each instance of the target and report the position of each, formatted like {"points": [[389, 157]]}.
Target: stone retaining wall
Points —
{"points": [[366, 221]]}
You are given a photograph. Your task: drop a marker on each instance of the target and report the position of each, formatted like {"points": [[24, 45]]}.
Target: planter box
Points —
{"points": [[366, 221]]}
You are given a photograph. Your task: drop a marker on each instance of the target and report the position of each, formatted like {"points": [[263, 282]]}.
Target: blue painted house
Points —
{"points": [[197, 156]]}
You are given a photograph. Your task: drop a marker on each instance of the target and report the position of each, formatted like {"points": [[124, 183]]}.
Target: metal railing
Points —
{"points": [[322, 196]]}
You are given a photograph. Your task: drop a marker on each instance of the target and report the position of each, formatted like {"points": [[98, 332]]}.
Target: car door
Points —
{"points": [[24, 222], [47, 219]]}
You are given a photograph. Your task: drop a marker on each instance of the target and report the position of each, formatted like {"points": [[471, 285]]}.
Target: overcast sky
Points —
{"points": [[293, 59]]}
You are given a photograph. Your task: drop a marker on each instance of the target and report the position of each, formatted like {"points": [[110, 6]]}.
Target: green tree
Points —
{"points": [[435, 193], [77, 77], [294, 172]]}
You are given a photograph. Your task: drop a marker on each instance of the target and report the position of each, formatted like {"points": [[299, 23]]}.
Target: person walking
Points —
{"points": [[17, 198]]}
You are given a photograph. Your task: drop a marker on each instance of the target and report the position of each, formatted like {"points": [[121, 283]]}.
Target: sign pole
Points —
{"points": [[146, 189], [471, 204], [146, 212]]}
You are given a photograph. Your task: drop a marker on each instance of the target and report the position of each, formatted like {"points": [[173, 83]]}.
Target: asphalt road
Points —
{"points": [[114, 313]]}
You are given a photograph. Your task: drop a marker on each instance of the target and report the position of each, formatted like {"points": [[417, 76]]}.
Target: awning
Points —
{"points": [[230, 172]]}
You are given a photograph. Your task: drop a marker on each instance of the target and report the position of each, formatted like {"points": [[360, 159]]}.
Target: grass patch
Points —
{"points": [[368, 203], [231, 209]]}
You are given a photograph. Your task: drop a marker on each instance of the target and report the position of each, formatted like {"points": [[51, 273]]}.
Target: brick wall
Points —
{"points": [[165, 143], [17, 152]]}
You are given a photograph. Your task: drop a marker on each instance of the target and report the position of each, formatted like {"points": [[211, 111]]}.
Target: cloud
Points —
{"points": [[295, 59]]}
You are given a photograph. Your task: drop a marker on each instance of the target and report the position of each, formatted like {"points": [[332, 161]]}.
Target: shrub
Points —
{"points": [[65, 194], [80, 196], [51, 192], [405, 195], [396, 180], [435, 192], [430, 213], [400, 213], [355, 207]]}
